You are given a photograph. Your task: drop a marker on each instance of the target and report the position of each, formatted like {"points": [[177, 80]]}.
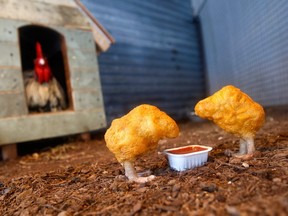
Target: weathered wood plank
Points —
{"points": [[12, 104], [9, 30], [87, 99], [57, 2], [83, 78], [81, 49], [9, 55], [11, 79], [81, 58], [40, 126], [101, 36], [77, 39], [102, 41], [44, 13]]}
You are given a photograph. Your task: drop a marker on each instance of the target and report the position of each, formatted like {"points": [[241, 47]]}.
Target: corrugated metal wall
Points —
{"points": [[246, 44], [156, 58]]}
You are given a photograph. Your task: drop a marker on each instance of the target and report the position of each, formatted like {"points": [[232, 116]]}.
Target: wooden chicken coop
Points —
{"points": [[68, 33]]}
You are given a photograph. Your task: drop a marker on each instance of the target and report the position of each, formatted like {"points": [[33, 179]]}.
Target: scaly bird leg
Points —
{"points": [[247, 148], [250, 145], [132, 175], [243, 147]]}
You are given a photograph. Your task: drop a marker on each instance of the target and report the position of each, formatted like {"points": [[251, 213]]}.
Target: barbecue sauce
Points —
{"points": [[187, 150]]}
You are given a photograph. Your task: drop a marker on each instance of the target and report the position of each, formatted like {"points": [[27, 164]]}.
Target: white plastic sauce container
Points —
{"points": [[187, 157]]}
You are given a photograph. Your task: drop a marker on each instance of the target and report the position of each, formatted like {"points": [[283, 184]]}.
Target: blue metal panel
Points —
{"points": [[156, 58], [246, 45]]}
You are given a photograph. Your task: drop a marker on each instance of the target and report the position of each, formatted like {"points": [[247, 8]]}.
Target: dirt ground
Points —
{"points": [[84, 178]]}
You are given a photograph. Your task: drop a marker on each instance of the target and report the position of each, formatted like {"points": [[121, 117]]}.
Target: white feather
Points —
{"points": [[39, 95]]}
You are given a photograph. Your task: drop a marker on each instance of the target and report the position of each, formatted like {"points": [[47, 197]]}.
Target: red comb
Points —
{"points": [[39, 50]]}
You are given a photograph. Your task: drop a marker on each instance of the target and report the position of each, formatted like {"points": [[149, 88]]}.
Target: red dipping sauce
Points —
{"points": [[187, 150]]}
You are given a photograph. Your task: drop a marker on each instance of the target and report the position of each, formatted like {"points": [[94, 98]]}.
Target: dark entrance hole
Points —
{"points": [[54, 49]]}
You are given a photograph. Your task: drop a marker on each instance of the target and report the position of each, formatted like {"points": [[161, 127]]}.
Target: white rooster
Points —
{"points": [[43, 92]]}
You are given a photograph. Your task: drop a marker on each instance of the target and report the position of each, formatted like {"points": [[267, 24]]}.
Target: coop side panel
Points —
{"points": [[11, 80], [10, 55], [84, 71], [12, 95], [11, 104], [156, 58], [246, 45]]}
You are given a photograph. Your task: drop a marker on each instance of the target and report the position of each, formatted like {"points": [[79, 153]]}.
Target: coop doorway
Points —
{"points": [[54, 49]]}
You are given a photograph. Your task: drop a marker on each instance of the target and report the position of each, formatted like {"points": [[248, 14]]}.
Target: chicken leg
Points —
{"points": [[247, 148], [131, 174]]}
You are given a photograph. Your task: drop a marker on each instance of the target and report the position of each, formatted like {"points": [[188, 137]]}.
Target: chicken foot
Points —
{"points": [[131, 174], [247, 148]]}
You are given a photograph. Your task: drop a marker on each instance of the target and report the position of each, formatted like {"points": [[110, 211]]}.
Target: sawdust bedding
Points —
{"points": [[84, 178]]}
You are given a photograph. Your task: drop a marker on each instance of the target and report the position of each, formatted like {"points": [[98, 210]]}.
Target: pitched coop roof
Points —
{"points": [[100, 34], [71, 14]]}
